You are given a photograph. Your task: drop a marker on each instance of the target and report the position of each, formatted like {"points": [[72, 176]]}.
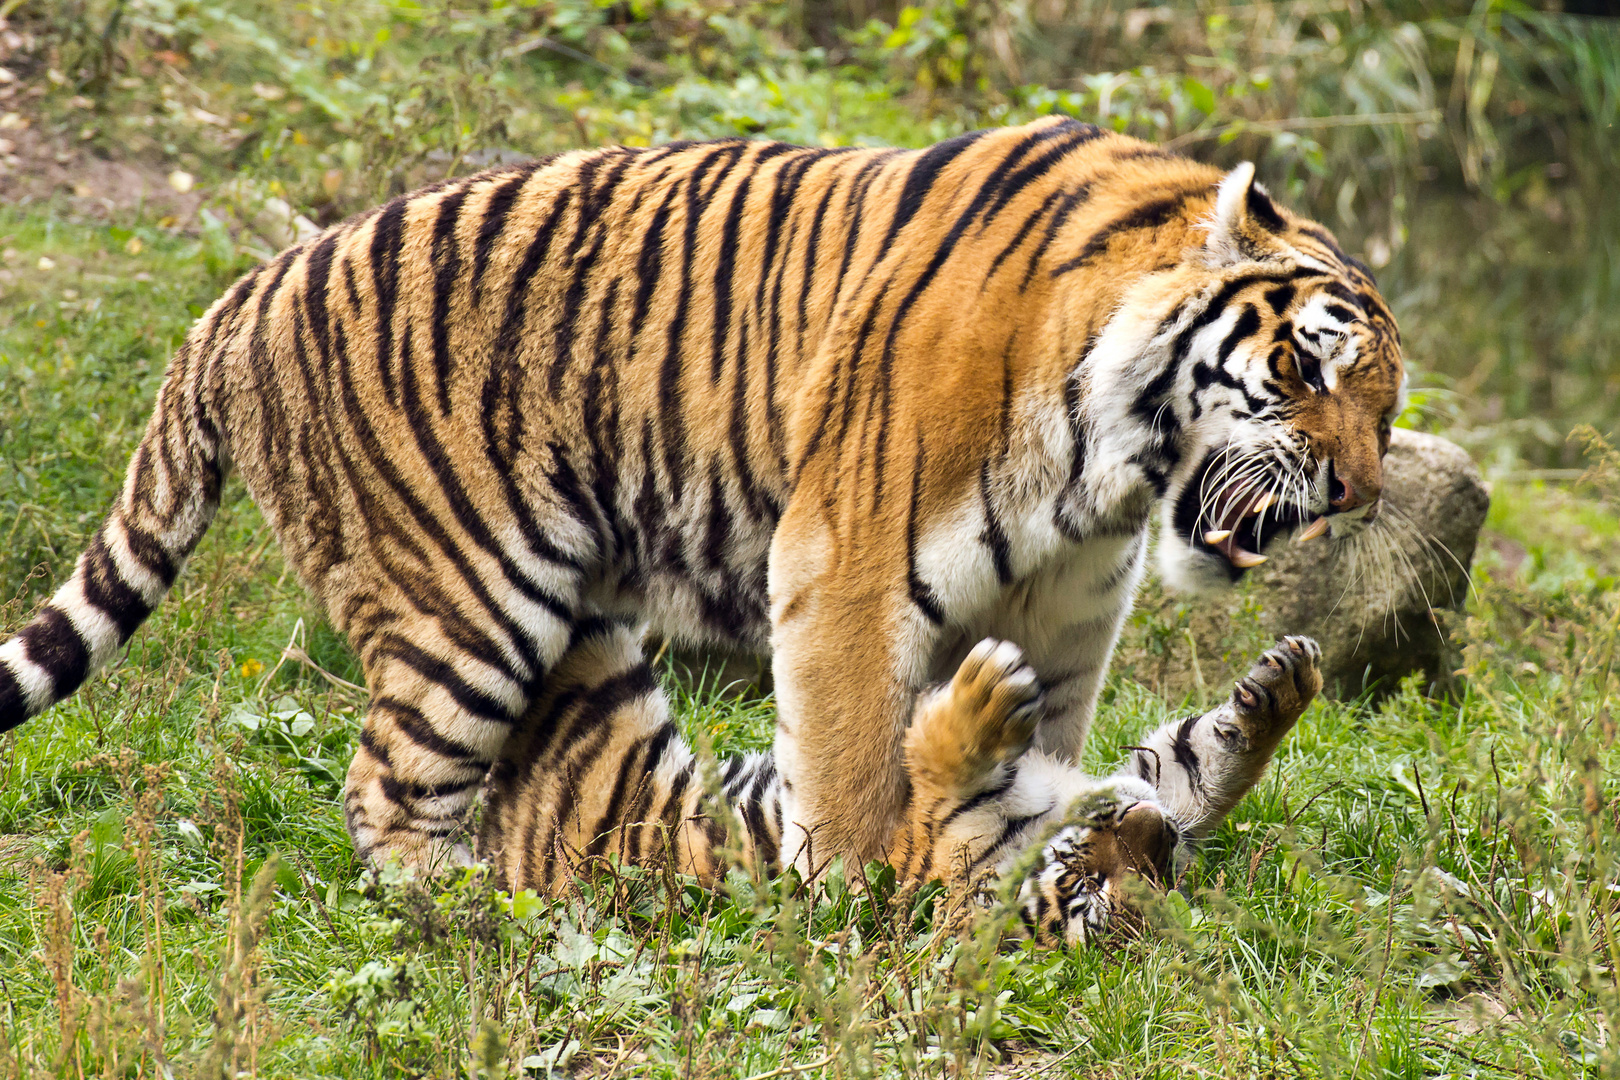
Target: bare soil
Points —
{"points": [[40, 162]]}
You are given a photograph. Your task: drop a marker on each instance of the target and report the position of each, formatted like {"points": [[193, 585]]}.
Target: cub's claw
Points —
{"points": [[1200, 766], [1276, 691]]}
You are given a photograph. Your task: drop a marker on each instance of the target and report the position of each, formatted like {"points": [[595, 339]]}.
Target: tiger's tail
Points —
{"points": [[170, 494]]}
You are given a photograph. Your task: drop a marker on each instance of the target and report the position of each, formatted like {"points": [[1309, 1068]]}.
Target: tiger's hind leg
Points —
{"points": [[569, 773], [446, 693], [598, 769], [428, 739], [1201, 766]]}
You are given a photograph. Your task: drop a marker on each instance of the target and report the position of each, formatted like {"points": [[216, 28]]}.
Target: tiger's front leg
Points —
{"points": [[850, 651], [844, 694]]}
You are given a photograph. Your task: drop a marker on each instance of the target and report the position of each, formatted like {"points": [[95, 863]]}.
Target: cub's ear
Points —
{"points": [[1245, 222]]}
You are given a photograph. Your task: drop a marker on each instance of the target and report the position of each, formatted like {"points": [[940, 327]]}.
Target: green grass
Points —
{"points": [[1417, 888]]}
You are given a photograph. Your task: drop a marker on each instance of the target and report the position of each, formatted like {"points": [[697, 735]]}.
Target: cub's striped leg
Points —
{"points": [[963, 743], [1201, 766], [597, 768]]}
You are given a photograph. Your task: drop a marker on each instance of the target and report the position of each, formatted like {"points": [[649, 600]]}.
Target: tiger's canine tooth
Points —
{"points": [[1245, 560], [1263, 503], [1215, 536], [1313, 530]]}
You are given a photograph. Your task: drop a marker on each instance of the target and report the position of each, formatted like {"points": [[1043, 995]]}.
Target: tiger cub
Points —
{"points": [[980, 795], [854, 408]]}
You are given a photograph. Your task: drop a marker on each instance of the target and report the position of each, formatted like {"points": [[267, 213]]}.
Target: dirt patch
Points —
{"points": [[39, 167], [42, 162]]}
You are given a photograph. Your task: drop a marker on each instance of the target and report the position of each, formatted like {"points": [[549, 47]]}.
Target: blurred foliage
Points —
{"points": [[1349, 103]]}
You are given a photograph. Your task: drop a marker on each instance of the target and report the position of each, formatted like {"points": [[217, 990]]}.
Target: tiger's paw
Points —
{"points": [[983, 718], [1270, 699], [995, 703]]}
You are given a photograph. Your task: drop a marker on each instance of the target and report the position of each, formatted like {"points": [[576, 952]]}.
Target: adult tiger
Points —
{"points": [[856, 408]]}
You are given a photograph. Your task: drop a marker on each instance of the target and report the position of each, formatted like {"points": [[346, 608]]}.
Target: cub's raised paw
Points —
{"points": [[1200, 766], [1275, 693], [996, 700], [984, 717]]}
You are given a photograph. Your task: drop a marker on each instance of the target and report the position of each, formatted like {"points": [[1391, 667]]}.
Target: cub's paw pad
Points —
{"points": [[1282, 682], [996, 700]]}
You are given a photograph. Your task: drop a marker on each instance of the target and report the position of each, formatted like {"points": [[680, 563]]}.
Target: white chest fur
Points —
{"points": [[1000, 566]]}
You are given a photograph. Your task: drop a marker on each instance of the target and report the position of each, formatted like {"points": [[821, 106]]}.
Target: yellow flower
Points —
{"points": [[252, 668]]}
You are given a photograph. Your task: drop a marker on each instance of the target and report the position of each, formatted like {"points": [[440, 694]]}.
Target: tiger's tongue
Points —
{"points": [[1225, 538]]}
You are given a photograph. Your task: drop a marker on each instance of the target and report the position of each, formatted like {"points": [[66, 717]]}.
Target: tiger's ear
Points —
{"points": [[1245, 219]]}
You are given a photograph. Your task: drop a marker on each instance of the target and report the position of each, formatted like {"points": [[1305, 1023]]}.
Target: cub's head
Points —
{"points": [[1288, 373]]}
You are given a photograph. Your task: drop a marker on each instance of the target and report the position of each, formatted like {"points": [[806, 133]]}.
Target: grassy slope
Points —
{"points": [[1331, 920]]}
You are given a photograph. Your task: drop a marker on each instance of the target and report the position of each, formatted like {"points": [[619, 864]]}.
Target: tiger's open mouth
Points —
{"points": [[1238, 520]]}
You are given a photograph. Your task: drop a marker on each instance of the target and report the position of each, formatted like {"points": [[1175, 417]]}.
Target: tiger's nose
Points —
{"points": [[1148, 840], [1344, 495]]}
